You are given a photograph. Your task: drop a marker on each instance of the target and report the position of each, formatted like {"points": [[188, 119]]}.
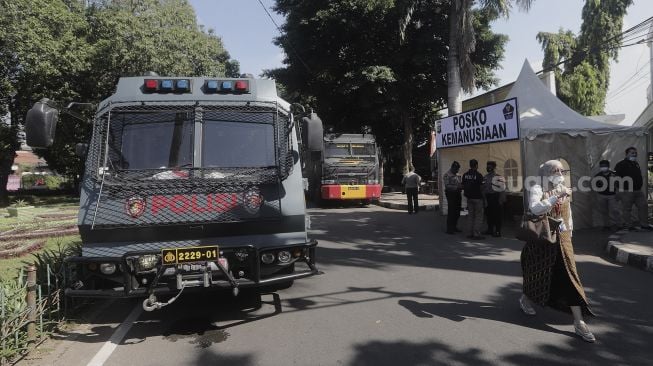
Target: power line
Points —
{"points": [[633, 30], [634, 85], [625, 83], [292, 48]]}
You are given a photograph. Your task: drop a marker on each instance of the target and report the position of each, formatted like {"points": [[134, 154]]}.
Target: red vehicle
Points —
{"points": [[348, 169]]}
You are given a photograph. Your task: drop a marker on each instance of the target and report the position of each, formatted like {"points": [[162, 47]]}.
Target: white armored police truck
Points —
{"points": [[190, 183]]}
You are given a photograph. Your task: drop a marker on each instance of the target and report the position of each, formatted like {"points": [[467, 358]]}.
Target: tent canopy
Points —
{"points": [[541, 112], [551, 130]]}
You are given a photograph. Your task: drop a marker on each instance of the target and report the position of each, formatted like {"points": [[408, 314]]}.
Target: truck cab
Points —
{"points": [[190, 182]]}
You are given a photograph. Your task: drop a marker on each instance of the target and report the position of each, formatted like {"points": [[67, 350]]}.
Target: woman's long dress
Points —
{"points": [[549, 271]]}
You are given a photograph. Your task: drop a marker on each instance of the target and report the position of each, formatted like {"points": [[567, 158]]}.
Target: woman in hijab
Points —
{"points": [[549, 271]]}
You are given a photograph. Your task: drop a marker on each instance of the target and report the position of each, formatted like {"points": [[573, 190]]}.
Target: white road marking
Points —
{"points": [[109, 346]]}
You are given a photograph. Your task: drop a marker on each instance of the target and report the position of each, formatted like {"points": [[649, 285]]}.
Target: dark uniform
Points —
{"points": [[494, 194], [452, 190]]}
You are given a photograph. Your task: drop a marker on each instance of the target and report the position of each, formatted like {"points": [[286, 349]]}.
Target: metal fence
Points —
{"points": [[28, 312]]}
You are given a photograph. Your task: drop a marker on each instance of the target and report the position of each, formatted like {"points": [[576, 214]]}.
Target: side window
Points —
{"points": [[511, 172]]}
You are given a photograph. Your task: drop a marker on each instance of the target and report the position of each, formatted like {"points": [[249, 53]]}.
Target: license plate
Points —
{"points": [[190, 254]]}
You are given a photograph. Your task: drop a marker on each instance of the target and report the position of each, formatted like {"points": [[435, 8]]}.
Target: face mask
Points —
{"points": [[632, 158], [556, 179], [603, 168]]}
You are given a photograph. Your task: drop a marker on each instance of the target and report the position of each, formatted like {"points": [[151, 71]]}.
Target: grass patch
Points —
{"points": [[9, 268], [30, 218]]}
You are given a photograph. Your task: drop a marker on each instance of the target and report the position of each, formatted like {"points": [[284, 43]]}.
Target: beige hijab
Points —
{"points": [[546, 170]]}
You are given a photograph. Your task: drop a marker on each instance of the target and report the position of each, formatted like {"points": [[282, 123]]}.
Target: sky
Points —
{"points": [[247, 33]]}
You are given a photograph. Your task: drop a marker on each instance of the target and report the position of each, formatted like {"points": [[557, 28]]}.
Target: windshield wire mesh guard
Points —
{"points": [[159, 164]]}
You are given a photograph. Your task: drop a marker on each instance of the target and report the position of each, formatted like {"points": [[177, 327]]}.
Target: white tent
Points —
{"points": [[551, 130]]}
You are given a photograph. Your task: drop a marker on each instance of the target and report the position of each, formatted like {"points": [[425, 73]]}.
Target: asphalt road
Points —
{"points": [[396, 290]]}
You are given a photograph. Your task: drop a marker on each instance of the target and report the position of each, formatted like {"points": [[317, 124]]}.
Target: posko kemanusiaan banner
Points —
{"points": [[492, 123]]}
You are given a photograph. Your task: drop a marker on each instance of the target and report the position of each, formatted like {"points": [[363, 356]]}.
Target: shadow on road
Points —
{"points": [[380, 239], [617, 293]]}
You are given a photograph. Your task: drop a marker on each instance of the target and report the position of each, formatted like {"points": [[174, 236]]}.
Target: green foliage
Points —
{"points": [[19, 203], [12, 298], [54, 258], [13, 294], [353, 63], [44, 181], [67, 51], [584, 80]]}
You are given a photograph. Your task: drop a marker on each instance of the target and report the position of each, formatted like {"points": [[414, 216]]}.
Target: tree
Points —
{"points": [[42, 50], [361, 74], [65, 51], [583, 81], [131, 37], [462, 43]]}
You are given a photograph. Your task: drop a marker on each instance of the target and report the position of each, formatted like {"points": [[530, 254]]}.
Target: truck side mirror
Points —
{"points": [[313, 132], [40, 125], [81, 149]]}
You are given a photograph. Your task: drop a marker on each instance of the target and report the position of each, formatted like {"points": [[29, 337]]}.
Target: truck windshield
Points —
{"points": [[229, 144], [333, 149], [363, 149], [152, 140]]}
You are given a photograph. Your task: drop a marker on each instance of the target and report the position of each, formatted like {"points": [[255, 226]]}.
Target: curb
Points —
{"points": [[616, 251], [404, 206]]}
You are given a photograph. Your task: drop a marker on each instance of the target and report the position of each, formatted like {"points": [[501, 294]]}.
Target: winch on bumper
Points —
{"points": [[147, 274]]}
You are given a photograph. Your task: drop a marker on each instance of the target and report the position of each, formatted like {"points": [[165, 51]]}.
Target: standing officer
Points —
{"points": [[494, 196], [606, 195], [632, 193], [472, 185], [452, 190]]}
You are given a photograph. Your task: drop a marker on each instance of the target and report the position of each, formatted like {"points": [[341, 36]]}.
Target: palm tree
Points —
{"points": [[460, 69], [462, 42]]}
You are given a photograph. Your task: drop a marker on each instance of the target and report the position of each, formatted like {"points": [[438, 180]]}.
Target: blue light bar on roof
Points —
{"points": [[227, 86], [166, 85], [182, 85], [211, 86]]}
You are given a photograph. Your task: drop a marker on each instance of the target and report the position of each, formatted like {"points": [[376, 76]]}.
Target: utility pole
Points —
{"points": [[649, 91]]}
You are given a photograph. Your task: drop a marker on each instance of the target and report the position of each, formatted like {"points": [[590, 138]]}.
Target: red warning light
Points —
{"points": [[241, 86], [151, 84]]}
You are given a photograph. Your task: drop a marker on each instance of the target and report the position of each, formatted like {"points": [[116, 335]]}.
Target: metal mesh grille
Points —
{"points": [[180, 192]]}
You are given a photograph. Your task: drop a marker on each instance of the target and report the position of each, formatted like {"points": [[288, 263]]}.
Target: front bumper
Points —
{"points": [[127, 281], [351, 191]]}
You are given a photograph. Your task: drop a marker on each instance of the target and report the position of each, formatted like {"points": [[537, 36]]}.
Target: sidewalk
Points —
{"points": [[627, 247], [397, 201], [632, 248]]}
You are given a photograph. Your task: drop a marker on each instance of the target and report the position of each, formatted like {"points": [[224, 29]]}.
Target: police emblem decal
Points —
{"points": [[135, 206], [508, 111], [252, 200]]}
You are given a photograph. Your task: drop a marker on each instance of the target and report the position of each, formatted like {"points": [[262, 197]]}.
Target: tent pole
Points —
{"points": [[440, 183], [522, 150], [648, 149]]}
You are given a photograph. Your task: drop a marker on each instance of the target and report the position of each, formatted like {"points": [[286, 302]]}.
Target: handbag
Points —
{"points": [[539, 228]]}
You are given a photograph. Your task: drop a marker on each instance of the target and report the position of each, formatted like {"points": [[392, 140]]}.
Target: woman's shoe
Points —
{"points": [[526, 308], [583, 331]]}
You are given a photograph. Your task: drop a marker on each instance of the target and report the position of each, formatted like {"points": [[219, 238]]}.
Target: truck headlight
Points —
{"points": [[328, 181], [108, 268], [372, 181], [284, 256], [267, 258]]}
